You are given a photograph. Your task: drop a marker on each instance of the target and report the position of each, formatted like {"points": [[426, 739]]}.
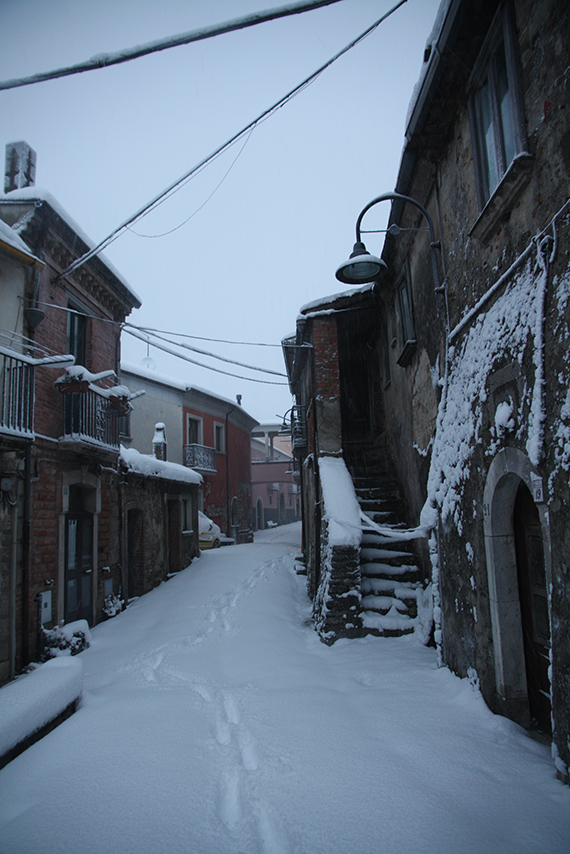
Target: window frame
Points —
{"points": [[406, 308], [220, 428], [200, 431], [501, 35]]}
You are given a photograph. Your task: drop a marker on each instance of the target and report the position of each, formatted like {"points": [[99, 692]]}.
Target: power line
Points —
{"points": [[104, 60], [214, 356], [204, 203], [262, 117], [200, 364]]}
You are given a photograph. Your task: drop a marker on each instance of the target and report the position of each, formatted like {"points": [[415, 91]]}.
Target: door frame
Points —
{"points": [[509, 467], [92, 485]]}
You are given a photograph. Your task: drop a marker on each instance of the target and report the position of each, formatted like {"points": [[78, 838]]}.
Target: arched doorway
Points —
{"points": [[517, 544]]}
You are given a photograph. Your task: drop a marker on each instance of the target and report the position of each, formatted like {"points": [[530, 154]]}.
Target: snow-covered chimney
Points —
{"points": [[238, 398], [159, 441], [20, 167]]}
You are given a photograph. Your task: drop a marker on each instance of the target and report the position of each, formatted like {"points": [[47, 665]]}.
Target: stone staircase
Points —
{"points": [[391, 576]]}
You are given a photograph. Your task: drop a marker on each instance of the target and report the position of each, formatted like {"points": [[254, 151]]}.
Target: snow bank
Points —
{"points": [[341, 508], [151, 467], [33, 700]]}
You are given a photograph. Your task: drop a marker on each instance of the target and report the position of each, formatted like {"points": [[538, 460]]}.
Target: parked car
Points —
{"points": [[209, 533]]}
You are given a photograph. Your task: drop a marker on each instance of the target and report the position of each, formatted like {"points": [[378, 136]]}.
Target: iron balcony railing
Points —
{"points": [[200, 457], [17, 395], [90, 417]]}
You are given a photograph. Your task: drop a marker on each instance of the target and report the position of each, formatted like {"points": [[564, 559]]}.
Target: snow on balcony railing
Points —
{"points": [[200, 458], [91, 417], [16, 394]]}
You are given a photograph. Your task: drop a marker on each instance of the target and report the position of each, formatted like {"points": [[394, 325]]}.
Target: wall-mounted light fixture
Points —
{"points": [[362, 267]]}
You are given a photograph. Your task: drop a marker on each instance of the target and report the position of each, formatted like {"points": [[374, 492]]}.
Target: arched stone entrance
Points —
{"points": [[515, 521]]}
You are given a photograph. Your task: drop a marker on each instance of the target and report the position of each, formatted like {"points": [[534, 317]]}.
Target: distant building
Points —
{"points": [[274, 485], [207, 433]]}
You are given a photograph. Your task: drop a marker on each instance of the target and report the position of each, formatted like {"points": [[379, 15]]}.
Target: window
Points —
{"points": [[76, 334], [404, 290], [194, 431], [495, 106], [219, 438], [187, 514]]}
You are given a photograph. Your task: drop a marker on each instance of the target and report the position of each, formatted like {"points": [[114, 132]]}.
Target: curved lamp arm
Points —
{"points": [[434, 244]]}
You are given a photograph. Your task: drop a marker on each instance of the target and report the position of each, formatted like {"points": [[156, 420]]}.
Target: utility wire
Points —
{"points": [[206, 200], [103, 60], [148, 329], [200, 364], [172, 187], [214, 356]]}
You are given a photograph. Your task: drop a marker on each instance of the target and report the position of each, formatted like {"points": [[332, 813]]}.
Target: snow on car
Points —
{"points": [[209, 533]]}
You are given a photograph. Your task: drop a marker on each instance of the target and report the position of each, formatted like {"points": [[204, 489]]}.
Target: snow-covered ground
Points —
{"points": [[214, 721]]}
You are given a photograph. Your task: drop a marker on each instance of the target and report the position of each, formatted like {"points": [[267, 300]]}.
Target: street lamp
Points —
{"points": [[362, 267]]}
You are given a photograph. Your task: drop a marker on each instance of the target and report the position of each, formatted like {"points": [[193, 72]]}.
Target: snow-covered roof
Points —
{"points": [[11, 238], [151, 467], [432, 54], [334, 302], [30, 194]]}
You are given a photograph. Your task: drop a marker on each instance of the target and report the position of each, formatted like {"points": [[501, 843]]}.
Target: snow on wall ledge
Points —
{"points": [[341, 508], [32, 701], [514, 319], [151, 467]]}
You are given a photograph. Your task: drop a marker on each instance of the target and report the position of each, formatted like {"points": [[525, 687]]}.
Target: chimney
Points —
{"points": [[238, 398], [159, 441], [20, 168]]}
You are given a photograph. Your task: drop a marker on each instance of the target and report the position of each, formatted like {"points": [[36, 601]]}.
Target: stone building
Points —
{"points": [[440, 383]]}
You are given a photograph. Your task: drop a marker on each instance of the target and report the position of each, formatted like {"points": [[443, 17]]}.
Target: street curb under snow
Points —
{"points": [[36, 703]]}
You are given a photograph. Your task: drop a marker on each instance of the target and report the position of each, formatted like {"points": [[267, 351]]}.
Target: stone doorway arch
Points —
{"points": [[509, 469]]}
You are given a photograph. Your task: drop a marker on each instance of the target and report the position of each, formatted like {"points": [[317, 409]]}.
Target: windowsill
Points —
{"points": [[405, 356], [507, 191]]}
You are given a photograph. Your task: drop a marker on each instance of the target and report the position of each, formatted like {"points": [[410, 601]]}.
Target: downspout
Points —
{"points": [[228, 521]]}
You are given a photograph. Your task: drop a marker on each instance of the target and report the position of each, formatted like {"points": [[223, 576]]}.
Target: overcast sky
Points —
{"points": [[269, 237]]}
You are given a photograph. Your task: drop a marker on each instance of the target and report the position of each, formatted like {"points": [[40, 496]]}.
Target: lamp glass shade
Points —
{"points": [[361, 267]]}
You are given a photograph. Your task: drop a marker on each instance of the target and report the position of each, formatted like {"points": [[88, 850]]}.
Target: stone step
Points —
{"points": [[400, 572]]}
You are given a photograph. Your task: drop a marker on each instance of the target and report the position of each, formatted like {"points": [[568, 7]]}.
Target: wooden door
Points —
{"points": [[534, 606], [78, 566]]}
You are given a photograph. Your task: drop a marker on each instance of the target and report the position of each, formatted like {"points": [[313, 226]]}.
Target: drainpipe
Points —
{"points": [[228, 520], [26, 558]]}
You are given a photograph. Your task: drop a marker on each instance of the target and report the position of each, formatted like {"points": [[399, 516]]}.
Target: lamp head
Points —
{"points": [[361, 267]]}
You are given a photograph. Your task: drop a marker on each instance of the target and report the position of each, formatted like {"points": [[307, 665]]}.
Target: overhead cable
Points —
{"points": [[155, 336], [264, 115], [103, 60], [200, 364]]}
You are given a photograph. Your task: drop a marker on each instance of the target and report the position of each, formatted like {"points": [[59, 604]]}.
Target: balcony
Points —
{"points": [[200, 458], [16, 395], [90, 417]]}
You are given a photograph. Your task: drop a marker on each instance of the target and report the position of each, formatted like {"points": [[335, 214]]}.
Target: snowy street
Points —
{"points": [[214, 721]]}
